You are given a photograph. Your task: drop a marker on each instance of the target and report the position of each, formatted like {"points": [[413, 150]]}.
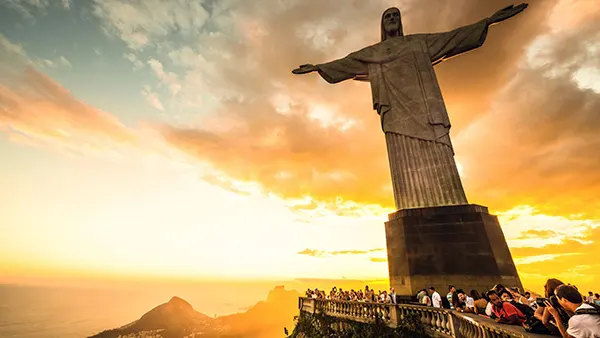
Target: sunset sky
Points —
{"points": [[169, 139]]}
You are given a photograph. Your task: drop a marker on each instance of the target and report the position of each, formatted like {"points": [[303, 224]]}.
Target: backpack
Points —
{"points": [[525, 309], [534, 325], [595, 310], [445, 303]]}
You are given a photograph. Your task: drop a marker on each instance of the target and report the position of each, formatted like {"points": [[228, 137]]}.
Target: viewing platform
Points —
{"points": [[437, 322]]}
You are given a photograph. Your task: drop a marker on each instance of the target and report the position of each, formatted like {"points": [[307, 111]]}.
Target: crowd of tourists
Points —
{"points": [[563, 311], [369, 295]]}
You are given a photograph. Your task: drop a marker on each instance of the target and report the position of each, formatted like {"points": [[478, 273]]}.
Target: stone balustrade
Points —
{"points": [[356, 311], [437, 322]]}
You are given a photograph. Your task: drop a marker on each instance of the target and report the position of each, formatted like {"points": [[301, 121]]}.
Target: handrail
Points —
{"points": [[438, 322]]}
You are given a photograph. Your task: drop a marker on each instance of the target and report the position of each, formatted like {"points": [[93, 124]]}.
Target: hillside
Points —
{"points": [[265, 319], [178, 319]]}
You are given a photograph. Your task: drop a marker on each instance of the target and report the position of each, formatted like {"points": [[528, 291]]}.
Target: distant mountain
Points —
{"points": [[178, 319], [265, 319]]}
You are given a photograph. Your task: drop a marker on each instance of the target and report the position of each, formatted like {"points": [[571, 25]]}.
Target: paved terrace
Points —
{"points": [[437, 322]]}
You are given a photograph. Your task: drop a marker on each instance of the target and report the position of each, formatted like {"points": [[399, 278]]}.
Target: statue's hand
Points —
{"points": [[506, 13], [304, 69]]}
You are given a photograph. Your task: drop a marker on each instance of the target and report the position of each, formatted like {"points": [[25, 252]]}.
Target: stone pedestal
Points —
{"points": [[460, 245]]}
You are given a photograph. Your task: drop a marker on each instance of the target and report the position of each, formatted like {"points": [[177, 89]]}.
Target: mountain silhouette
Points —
{"points": [[265, 319], [178, 319], [177, 312]]}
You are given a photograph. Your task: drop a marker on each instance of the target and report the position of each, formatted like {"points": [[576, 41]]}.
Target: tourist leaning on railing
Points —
{"points": [[517, 296], [469, 302], [507, 297], [479, 302], [505, 312]]}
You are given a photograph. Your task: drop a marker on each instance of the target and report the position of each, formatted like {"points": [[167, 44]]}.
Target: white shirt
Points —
{"points": [[584, 326], [426, 300], [436, 299], [470, 302], [488, 309]]}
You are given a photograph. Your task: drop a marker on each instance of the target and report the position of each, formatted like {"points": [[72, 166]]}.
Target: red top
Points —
{"points": [[507, 310]]}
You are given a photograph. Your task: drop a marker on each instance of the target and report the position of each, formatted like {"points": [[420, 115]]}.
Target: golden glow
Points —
{"points": [[282, 178]]}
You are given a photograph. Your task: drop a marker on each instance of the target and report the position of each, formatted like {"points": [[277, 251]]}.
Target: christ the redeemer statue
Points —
{"points": [[408, 99]]}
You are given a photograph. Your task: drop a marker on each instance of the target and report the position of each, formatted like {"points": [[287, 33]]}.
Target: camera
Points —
{"points": [[542, 301]]}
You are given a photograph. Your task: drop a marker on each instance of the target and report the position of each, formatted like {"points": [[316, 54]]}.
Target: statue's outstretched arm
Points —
{"points": [[336, 71], [305, 69], [443, 46], [506, 13]]}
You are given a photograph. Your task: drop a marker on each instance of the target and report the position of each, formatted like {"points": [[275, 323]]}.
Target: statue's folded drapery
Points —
{"points": [[408, 99]]}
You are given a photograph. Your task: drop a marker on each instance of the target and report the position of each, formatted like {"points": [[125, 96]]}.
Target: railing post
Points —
{"points": [[308, 305], [454, 326], [394, 320]]}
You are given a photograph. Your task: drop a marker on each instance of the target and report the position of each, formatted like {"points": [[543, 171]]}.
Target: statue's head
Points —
{"points": [[391, 23]]}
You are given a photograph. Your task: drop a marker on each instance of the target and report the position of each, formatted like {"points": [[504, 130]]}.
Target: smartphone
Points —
{"points": [[541, 301]]}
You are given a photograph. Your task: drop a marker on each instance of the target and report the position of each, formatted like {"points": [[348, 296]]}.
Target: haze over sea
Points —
{"points": [[69, 312]]}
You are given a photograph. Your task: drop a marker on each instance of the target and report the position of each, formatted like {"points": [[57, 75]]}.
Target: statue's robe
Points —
{"points": [[414, 119]]}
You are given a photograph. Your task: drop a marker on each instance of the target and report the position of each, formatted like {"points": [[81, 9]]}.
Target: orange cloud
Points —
{"points": [[292, 157], [539, 142], [320, 253], [378, 260], [567, 268], [570, 260], [544, 234], [37, 110], [298, 136], [567, 246]]}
